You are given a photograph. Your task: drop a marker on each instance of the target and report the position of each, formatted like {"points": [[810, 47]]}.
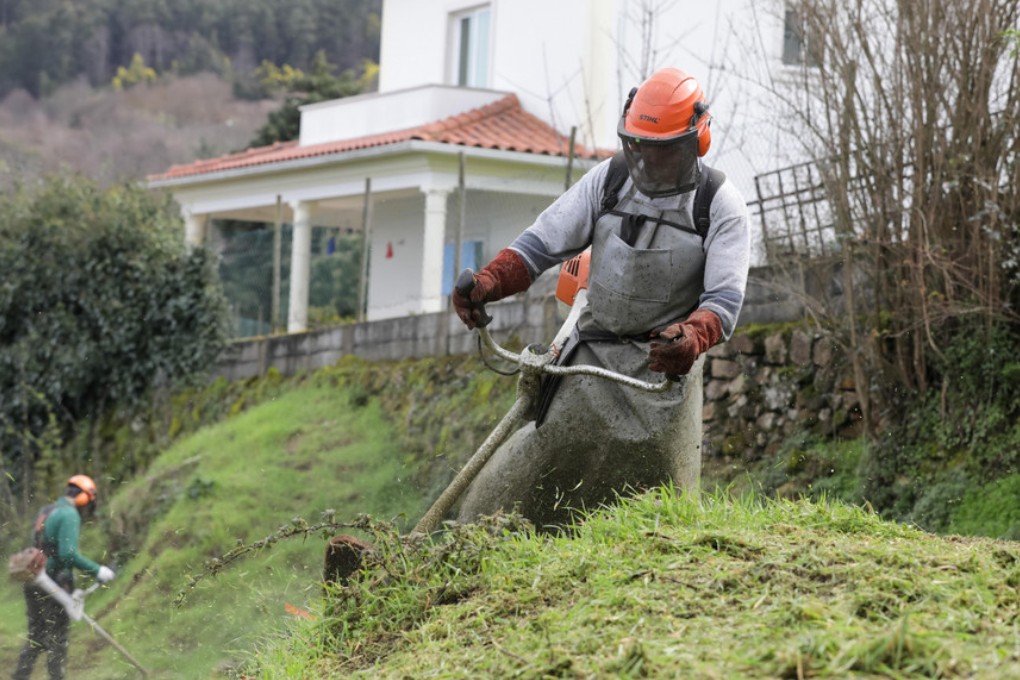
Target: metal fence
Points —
{"points": [[246, 270], [794, 213]]}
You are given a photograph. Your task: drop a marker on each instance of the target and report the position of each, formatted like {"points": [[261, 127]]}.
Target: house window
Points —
{"points": [[471, 47], [470, 256], [797, 50]]}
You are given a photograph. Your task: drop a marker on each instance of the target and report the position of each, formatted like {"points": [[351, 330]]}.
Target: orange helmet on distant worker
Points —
{"points": [[86, 490], [664, 128]]}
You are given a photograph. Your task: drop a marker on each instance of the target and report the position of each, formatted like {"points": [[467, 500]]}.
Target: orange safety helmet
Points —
{"points": [[88, 490], [664, 128]]}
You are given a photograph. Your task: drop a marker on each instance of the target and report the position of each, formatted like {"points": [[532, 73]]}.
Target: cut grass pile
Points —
{"points": [[663, 586]]}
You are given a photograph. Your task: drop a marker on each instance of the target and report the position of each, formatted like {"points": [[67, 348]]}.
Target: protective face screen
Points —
{"points": [[663, 168]]}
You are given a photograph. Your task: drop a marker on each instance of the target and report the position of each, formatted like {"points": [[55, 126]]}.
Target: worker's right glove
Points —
{"points": [[505, 275], [105, 575], [688, 340]]}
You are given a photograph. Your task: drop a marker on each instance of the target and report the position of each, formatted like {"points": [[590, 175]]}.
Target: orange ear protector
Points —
{"points": [[702, 120]]}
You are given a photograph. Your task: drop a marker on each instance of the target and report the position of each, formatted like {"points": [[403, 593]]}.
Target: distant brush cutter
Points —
{"points": [[344, 553], [74, 604]]}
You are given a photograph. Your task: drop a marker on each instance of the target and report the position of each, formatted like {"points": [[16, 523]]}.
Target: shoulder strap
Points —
{"points": [[708, 185], [40, 524], [616, 177]]}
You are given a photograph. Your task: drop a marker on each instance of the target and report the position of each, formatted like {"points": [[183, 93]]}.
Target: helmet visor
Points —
{"points": [[662, 167]]}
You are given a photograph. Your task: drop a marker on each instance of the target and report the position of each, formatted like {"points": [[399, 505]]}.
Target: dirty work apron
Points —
{"points": [[599, 439]]}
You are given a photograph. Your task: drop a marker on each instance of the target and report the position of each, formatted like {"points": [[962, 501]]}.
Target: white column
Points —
{"points": [[300, 257], [432, 250], [194, 228]]}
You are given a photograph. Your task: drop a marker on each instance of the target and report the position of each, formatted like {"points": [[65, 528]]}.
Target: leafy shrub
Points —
{"points": [[100, 303], [992, 510]]}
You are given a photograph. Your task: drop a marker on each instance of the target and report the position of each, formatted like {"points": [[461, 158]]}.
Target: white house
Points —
{"points": [[499, 86]]}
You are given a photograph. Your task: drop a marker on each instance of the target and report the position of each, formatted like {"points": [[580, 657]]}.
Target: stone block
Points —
{"points": [[800, 348], [739, 384], [778, 397], [744, 344], [775, 349], [822, 353], [721, 351], [765, 421], [726, 369], [716, 389]]}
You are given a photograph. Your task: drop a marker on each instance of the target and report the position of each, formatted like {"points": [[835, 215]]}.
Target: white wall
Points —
{"points": [[394, 283], [372, 114], [572, 62], [496, 219]]}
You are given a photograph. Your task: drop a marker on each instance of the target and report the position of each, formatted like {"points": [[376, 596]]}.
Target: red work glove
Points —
{"points": [[689, 339], [505, 275]]}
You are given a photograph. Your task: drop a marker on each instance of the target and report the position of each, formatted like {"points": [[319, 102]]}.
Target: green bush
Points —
{"points": [[992, 510], [964, 428], [100, 303]]}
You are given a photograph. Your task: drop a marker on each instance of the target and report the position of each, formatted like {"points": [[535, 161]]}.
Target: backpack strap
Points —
{"points": [[708, 185], [40, 524], [616, 177]]}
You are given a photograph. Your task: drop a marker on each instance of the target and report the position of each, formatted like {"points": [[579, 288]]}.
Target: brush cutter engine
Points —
{"points": [[573, 277]]}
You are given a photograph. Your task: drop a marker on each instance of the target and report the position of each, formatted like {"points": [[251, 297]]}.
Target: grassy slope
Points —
{"points": [[667, 587], [297, 455], [663, 587]]}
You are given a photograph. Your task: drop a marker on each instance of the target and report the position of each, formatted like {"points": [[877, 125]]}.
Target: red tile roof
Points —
{"points": [[503, 125]]}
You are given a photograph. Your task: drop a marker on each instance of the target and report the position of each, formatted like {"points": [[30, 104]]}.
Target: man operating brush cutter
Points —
{"points": [[47, 571], [669, 251], [537, 365], [670, 246]]}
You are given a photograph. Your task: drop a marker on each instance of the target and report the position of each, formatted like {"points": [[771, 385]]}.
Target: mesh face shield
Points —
{"points": [[662, 167]]}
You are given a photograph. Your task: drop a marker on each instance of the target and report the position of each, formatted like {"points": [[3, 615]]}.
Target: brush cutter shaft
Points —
{"points": [[74, 604], [106, 636], [510, 422]]}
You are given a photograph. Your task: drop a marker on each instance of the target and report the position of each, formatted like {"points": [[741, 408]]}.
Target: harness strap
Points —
{"points": [[38, 529], [708, 184]]}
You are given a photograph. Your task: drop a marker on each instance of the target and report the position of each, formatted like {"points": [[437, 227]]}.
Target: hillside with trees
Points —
{"points": [[118, 90], [47, 43]]}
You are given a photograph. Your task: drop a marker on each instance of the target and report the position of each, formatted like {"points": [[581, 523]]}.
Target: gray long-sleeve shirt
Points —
{"points": [[566, 228]]}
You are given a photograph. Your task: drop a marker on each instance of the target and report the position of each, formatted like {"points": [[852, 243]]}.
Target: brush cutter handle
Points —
{"points": [[540, 358], [465, 284]]}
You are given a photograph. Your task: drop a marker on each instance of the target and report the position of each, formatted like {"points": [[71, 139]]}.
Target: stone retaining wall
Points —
{"points": [[760, 388]]}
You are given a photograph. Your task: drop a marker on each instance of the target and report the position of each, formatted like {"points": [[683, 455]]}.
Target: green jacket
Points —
{"points": [[60, 542]]}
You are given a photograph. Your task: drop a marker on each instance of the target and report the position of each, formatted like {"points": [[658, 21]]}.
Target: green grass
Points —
{"points": [[673, 587], [658, 587], [298, 455]]}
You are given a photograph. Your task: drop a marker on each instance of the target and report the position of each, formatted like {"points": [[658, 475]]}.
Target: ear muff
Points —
{"points": [[702, 120], [82, 499]]}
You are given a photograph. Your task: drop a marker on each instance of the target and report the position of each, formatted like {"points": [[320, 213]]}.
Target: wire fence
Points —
{"points": [[794, 213], [246, 270]]}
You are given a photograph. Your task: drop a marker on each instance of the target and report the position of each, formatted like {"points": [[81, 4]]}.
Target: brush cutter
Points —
{"points": [[74, 604], [344, 553]]}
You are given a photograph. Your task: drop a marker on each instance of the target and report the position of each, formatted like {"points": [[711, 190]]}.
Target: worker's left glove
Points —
{"points": [[105, 575], [686, 341], [505, 275]]}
